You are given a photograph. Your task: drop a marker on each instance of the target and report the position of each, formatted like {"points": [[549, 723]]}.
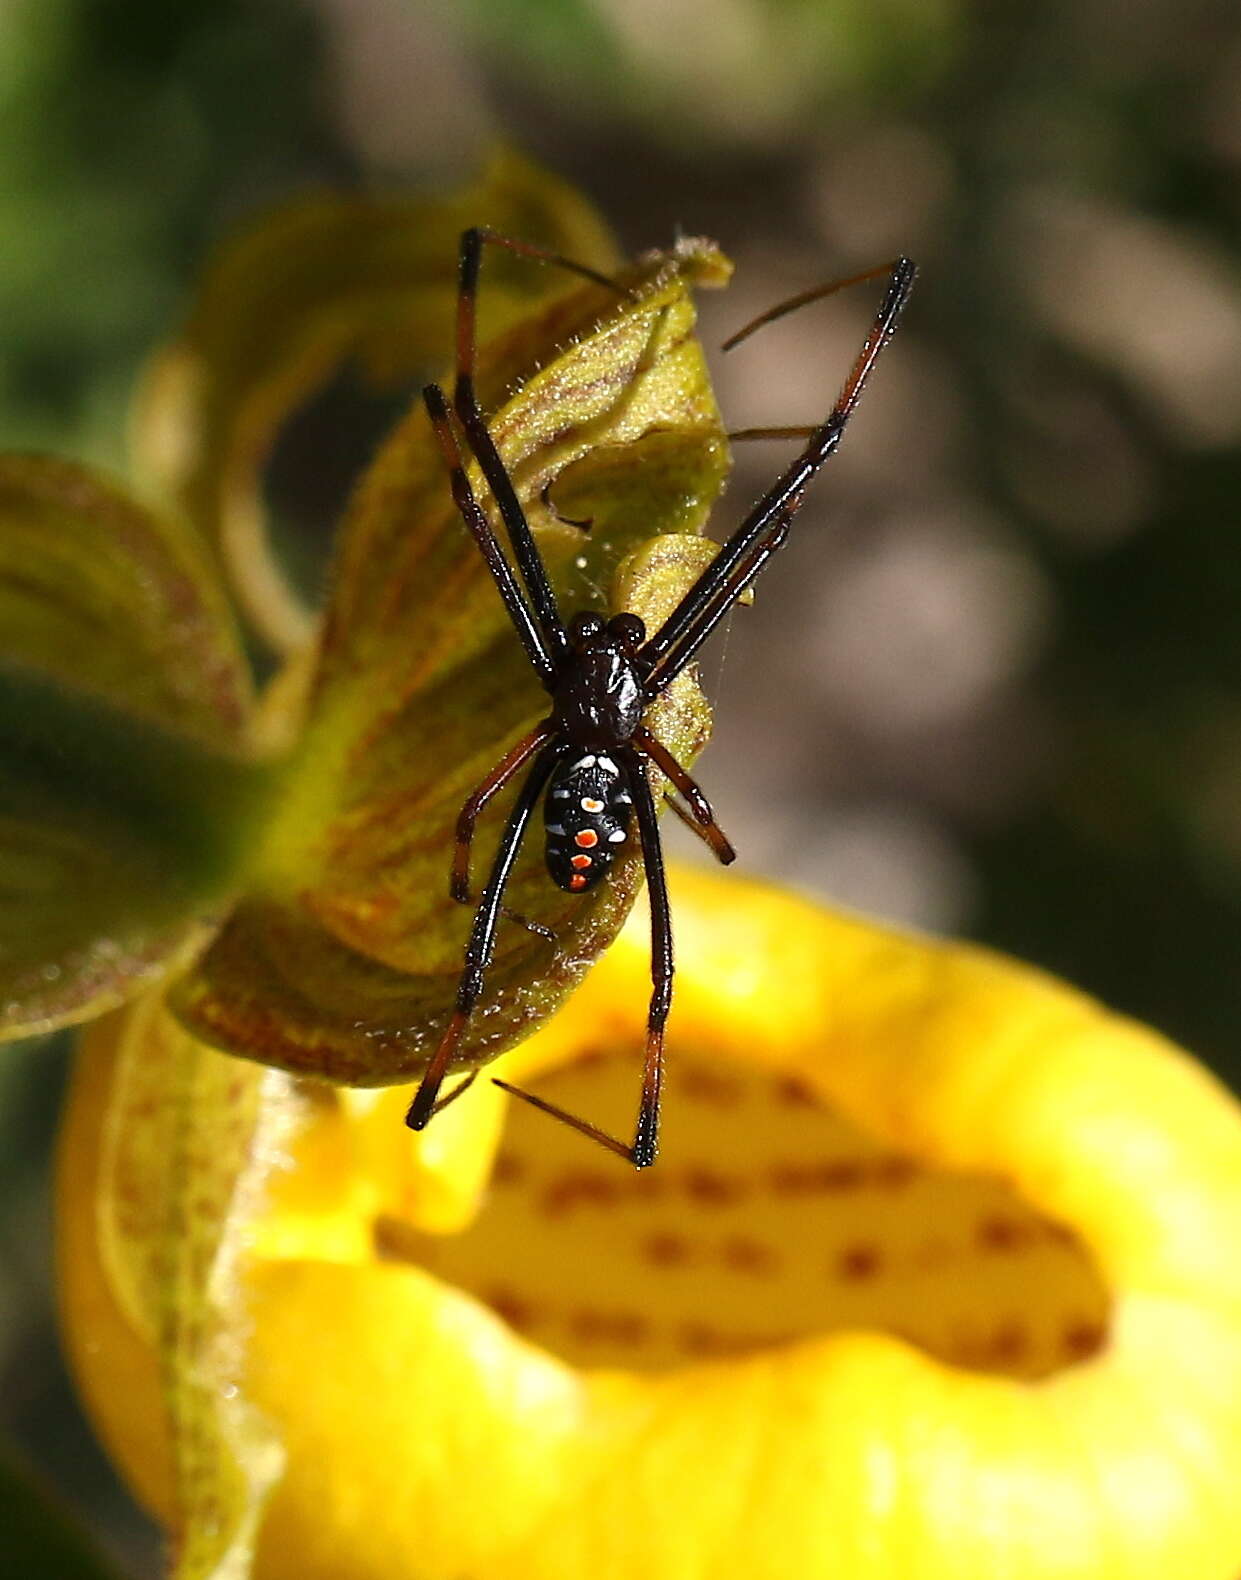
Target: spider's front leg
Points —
{"points": [[478, 436], [481, 946], [766, 528]]}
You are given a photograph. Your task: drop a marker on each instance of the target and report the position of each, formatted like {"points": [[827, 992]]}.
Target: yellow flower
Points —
{"points": [[939, 1276]]}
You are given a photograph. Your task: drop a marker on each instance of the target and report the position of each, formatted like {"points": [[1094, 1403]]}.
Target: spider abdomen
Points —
{"points": [[587, 812]]}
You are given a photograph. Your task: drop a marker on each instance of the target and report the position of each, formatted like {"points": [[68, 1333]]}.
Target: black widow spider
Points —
{"points": [[590, 753]]}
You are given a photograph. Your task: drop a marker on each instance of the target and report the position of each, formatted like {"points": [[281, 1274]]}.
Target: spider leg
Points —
{"points": [[742, 557], [703, 818], [509, 764], [481, 946], [449, 1098], [816, 293], [465, 403], [807, 432], [531, 637], [720, 599], [642, 1151], [459, 881]]}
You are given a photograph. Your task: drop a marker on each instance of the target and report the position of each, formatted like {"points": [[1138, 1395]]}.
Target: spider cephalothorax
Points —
{"points": [[599, 700], [588, 758]]}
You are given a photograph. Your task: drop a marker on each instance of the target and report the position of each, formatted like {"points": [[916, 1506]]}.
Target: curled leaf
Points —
{"points": [[317, 282], [124, 784], [107, 598], [344, 961]]}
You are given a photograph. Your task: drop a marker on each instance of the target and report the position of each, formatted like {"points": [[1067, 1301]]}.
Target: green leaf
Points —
{"points": [[344, 961], [321, 280], [107, 598], [125, 791]]}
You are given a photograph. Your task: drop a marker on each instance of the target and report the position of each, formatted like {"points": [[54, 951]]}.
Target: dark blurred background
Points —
{"points": [[993, 685]]}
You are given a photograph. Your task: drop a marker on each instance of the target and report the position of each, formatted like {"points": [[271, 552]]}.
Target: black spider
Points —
{"points": [[591, 752]]}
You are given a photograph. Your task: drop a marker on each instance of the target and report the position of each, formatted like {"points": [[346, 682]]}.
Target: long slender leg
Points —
{"points": [[704, 822], [482, 940], [720, 599], [816, 293], [807, 431], [459, 883], [683, 814], [465, 402], [449, 1098], [672, 646], [531, 637], [642, 1150]]}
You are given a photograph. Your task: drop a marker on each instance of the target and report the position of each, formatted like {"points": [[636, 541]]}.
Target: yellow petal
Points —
{"points": [[936, 1279]]}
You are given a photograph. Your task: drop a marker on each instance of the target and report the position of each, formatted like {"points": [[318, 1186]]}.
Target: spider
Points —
{"points": [[588, 758]]}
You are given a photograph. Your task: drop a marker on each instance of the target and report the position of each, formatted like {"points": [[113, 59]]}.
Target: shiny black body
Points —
{"points": [[597, 709], [591, 759], [598, 701]]}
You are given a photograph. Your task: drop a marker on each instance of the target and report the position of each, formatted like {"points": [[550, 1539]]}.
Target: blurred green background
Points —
{"points": [[993, 686]]}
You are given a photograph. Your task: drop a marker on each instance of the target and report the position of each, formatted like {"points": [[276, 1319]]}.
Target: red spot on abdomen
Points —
{"points": [[586, 837]]}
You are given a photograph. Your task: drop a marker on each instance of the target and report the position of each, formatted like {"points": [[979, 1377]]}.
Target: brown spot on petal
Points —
{"points": [[579, 1188], [707, 1086], [895, 1171], [697, 1338], [1082, 1339], [1003, 1234], [509, 1306], [666, 1250], [794, 1093], [509, 1169], [590, 1326], [804, 1179], [858, 1262], [710, 1189], [744, 1255], [1009, 1343]]}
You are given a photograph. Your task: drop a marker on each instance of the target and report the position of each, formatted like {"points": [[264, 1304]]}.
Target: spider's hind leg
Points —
{"points": [[642, 1150], [512, 761], [481, 946]]}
